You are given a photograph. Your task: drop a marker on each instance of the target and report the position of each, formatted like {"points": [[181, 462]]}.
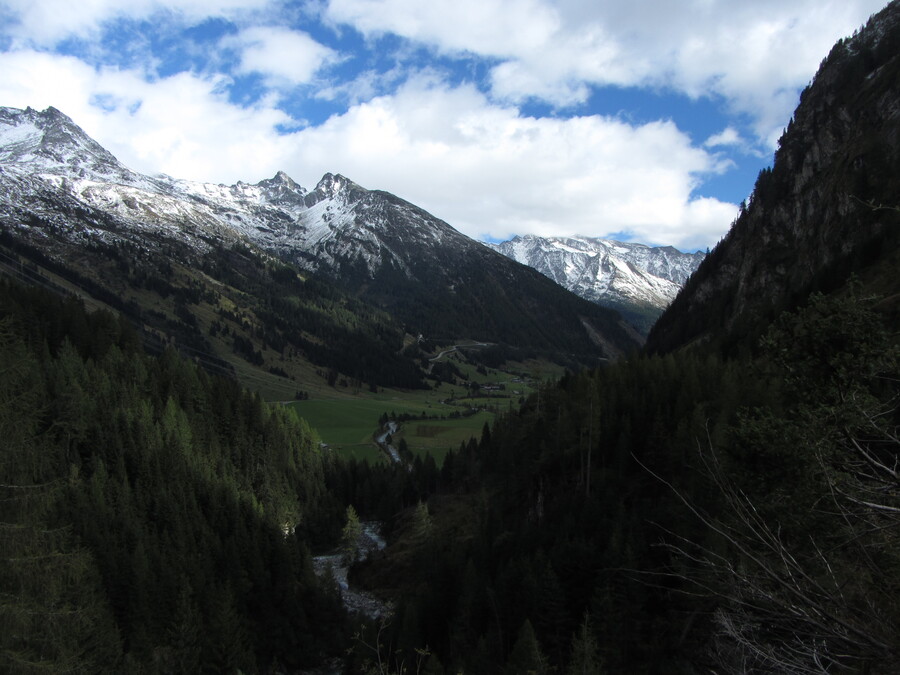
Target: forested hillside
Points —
{"points": [[154, 517], [232, 308], [727, 501], [669, 514], [662, 514]]}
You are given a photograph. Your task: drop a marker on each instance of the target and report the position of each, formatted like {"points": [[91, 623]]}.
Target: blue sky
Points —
{"points": [[646, 119]]}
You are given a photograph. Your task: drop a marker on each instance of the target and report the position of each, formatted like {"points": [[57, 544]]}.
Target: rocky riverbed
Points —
{"points": [[356, 600]]}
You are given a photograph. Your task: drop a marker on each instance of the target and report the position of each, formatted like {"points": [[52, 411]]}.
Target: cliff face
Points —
{"points": [[817, 215]]}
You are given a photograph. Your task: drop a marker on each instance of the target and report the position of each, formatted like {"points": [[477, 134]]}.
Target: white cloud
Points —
{"points": [[755, 55], [729, 136], [495, 27], [284, 57], [484, 168], [45, 22]]}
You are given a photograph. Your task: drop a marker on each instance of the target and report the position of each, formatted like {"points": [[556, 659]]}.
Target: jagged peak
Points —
{"points": [[56, 114], [281, 180], [335, 183], [43, 118], [57, 137]]}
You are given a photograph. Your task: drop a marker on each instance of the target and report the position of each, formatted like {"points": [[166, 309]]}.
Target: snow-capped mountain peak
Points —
{"points": [[332, 184], [336, 223], [607, 272], [52, 142], [59, 188]]}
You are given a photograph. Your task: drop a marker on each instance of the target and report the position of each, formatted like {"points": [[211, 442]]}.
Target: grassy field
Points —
{"points": [[437, 437], [347, 420], [348, 425]]}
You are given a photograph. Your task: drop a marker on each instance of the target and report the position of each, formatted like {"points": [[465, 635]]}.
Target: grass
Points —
{"points": [[347, 419], [429, 436], [348, 425]]}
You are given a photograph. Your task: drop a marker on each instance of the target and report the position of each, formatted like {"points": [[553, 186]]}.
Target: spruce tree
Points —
{"points": [[350, 537], [585, 656], [525, 657]]}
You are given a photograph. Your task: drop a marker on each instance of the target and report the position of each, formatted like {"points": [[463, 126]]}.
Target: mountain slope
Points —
{"points": [[57, 184], [635, 279], [162, 252], [439, 282], [816, 217]]}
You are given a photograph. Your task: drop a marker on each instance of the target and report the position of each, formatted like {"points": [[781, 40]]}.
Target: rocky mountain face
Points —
{"points": [[638, 280], [826, 210], [59, 187]]}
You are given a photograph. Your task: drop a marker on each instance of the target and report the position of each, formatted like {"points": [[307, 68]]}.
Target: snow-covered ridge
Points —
{"points": [[50, 167], [47, 160], [606, 271]]}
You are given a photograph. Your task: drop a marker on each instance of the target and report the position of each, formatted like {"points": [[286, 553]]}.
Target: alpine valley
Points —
{"points": [[724, 499]]}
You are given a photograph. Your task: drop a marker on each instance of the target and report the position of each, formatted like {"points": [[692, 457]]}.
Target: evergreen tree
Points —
{"points": [[525, 657], [584, 658], [422, 525], [226, 643], [350, 537]]}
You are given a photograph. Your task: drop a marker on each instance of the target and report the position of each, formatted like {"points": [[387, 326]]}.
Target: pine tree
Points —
{"points": [[585, 656], [227, 646], [525, 657], [350, 537], [422, 525]]}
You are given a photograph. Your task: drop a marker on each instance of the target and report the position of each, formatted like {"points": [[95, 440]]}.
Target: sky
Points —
{"points": [[640, 120]]}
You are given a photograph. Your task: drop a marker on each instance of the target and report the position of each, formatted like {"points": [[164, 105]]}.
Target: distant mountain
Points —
{"points": [[70, 201], [438, 281], [826, 210], [636, 279]]}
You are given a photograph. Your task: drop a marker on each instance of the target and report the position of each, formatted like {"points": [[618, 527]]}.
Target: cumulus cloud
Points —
{"points": [[496, 27], [46, 22], [284, 57], [182, 125], [483, 167], [729, 136], [754, 55]]}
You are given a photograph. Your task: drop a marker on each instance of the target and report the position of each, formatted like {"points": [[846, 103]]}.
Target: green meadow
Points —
{"points": [[348, 426], [429, 434], [348, 422]]}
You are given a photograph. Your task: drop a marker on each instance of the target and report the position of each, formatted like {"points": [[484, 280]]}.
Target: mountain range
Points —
{"points": [[726, 500], [637, 280], [199, 260]]}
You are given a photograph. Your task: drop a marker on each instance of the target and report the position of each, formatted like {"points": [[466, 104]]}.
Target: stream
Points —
{"points": [[389, 429], [356, 600]]}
